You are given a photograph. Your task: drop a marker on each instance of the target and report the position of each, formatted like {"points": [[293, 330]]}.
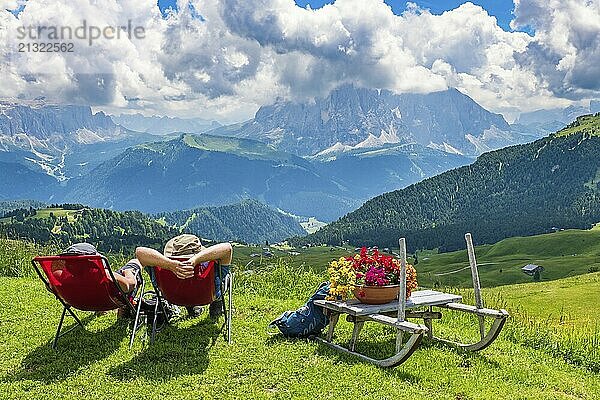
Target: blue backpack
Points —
{"points": [[306, 321]]}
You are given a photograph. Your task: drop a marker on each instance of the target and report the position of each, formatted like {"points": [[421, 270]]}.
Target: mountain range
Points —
{"points": [[321, 158], [207, 170], [61, 141], [249, 221], [161, 125], [352, 118], [552, 183], [545, 122]]}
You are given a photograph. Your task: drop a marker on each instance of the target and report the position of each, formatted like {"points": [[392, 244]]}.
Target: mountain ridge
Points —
{"points": [[207, 170], [61, 141], [164, 125], [249, 221], [353, 116], [516, 191]]}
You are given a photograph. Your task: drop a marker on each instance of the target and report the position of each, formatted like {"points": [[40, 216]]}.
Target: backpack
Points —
{"points": [[306, 321], [165, 314]]}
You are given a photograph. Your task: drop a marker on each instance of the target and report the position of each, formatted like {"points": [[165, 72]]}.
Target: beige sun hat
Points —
{"points": [[185, 245]]}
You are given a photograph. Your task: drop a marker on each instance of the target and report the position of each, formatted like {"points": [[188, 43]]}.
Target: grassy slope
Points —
{"points": [[58, 212], [562, 254], [315, 258], [585, 123], [191, 360], [242, 147], [568, 304]]}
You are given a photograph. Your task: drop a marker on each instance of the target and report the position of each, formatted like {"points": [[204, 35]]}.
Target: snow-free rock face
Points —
{"points": [[369, 118], [45, 121], [47, 137]]}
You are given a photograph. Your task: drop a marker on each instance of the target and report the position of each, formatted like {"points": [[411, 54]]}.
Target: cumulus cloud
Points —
{"points": [[225, 58], [565, 50]]}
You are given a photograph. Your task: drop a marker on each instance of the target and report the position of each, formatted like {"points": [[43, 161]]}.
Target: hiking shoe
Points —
{"points": [[123, 313], [194, 311], [215, 310]]}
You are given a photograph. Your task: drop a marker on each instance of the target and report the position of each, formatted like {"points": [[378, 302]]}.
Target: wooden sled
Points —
{"points": [[421, 305]]}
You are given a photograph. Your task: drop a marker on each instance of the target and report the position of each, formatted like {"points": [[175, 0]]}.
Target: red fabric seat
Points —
{"points": [[81, 282], [196, 291]]}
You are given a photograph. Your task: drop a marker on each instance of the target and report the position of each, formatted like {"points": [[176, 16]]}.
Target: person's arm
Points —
{"points": [[222, 252], [152, 258]]}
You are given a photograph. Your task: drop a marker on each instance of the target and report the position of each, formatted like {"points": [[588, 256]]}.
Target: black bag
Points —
{"points": [[166, 312], [306, 321]]}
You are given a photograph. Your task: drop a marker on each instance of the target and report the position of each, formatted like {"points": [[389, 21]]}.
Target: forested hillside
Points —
{"points": [[110, 231], [517, 191], [249, 221], [11, 205]]}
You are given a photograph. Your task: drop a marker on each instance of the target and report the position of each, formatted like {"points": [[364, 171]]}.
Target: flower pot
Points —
{"points": [[376, 294]]}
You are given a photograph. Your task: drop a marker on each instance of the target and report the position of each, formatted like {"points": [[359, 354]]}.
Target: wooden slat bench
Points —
{"points": [[395, 314]]}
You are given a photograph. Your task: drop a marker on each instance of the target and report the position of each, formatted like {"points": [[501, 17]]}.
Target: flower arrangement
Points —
{"points": [[367, 269]]}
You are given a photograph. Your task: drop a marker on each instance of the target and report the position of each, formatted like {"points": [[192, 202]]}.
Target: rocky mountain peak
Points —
{"points": [[352, 116]]}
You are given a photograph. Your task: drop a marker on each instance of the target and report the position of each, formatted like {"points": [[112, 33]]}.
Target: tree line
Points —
{"points": [[110, 231]]}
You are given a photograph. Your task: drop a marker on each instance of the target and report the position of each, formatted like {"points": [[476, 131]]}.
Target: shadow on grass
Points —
{"points": [[175, 352], [381, 349], [374, 349], [279, 338], [75, 350], [467, 356]]}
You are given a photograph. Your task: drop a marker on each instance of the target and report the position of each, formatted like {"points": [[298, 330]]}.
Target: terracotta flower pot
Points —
{"points": [[376, 294]]}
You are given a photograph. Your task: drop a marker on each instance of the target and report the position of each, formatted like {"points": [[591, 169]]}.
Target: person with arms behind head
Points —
{"points": [[190, 247]]}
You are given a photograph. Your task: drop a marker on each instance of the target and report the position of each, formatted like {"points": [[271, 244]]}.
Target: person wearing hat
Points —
{"points": [[190, 246]]}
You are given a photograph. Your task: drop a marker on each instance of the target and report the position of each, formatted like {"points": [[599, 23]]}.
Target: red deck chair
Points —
{"points": [[80, 282], [196, 291]]}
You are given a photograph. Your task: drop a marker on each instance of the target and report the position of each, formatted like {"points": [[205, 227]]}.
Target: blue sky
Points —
{"points": [[501, 9]]}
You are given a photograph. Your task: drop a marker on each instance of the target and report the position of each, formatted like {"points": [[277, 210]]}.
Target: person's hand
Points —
{"points": [[184, 270]]}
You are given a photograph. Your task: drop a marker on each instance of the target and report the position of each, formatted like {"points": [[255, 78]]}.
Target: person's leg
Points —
{"points": [[129, 277]]}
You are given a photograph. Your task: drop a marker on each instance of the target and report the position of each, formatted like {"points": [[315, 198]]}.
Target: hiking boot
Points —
{"points": [[123, 313], [215, 310], [194, 311]]}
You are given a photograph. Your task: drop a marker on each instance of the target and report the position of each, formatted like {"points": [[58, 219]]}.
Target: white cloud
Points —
{"points": [[565, 51], [242, 54], [10, 4]]}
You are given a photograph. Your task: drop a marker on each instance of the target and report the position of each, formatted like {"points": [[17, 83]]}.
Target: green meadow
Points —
{"points": [[548, 349]]}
